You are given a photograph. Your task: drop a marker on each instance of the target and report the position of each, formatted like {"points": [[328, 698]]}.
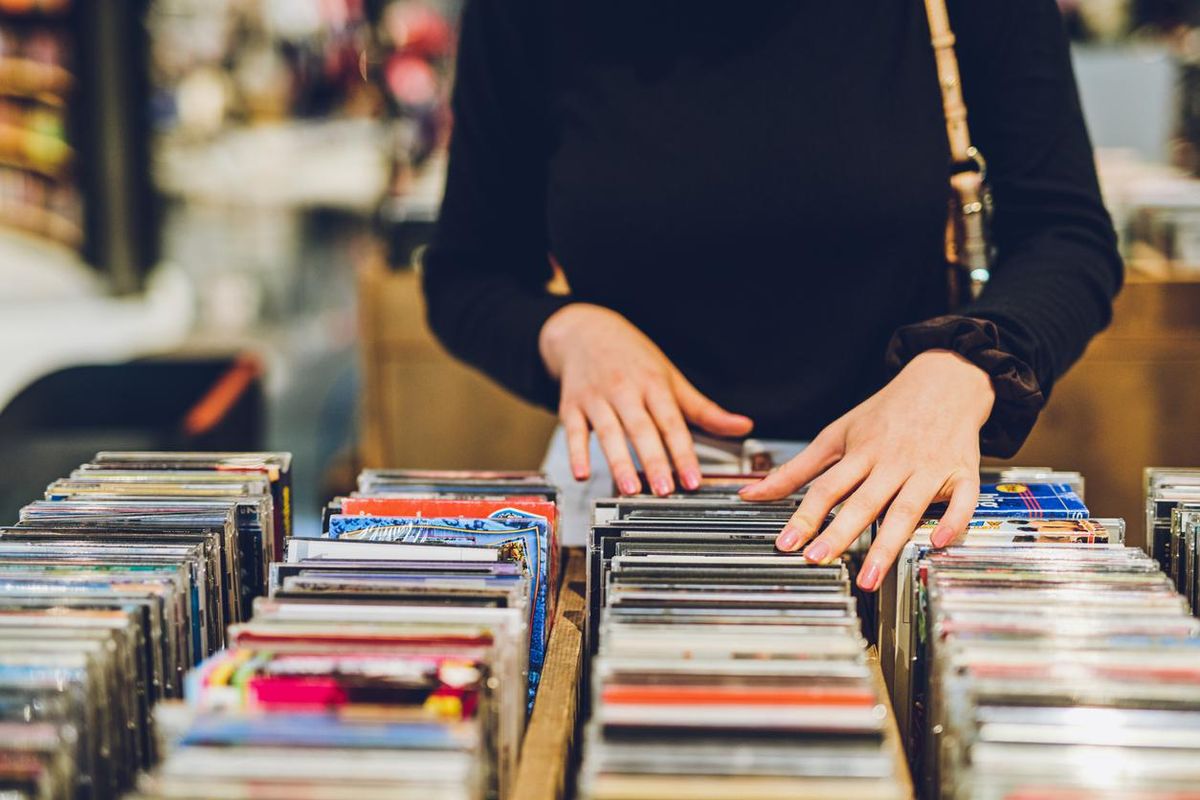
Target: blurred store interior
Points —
{"points": [[210, 209]]}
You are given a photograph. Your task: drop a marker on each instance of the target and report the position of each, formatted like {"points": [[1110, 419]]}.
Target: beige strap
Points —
{"points": [[942, 39], [967, 249]]}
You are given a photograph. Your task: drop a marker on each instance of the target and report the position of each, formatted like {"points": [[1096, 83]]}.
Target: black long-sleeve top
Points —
{"points": [[762, 190]]}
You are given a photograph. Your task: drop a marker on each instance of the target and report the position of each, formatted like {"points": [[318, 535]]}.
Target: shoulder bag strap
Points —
{"points": [[942, 39], [966, 236]]}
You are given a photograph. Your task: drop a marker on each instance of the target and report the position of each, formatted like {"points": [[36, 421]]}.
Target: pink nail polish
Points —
{"points": [[690, 480], [817, 552], [787, 540], [941, 536], [869, 579], [662, 487], [630, 486]]}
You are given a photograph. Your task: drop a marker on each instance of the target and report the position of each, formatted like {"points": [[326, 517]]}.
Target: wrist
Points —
{"points": [[1018, 395], [959, 377], [558, 331]]}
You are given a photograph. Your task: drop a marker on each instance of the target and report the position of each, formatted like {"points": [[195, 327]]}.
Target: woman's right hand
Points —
{"points": [[617, 382]]}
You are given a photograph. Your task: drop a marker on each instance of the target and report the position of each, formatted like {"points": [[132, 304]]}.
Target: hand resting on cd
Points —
{"points": [[618, 383], [914, 442]]}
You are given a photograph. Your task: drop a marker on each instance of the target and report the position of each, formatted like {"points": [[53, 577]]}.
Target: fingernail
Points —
{"points": [[868, 579], [580, 473], [630, 486], [662, 487], [817, 552], [941, 535], [787, 540], [690, 479]]}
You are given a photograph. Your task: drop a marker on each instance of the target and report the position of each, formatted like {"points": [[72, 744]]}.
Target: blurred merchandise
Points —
{"points": [[1111, 21], [414, 64], [37, 188], [416, 45], [1156, 210], [1186, 146], [266, 112], [72, 156], [264, 103], [216, 63]]}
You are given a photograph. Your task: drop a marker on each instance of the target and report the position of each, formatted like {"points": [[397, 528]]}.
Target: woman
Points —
{"points": [[749, 207]]}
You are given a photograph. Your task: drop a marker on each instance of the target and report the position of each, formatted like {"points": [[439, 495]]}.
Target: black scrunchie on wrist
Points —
{"points": [[1019, 398]]}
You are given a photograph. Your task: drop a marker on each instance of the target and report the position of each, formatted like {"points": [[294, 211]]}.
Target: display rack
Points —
{"points": [[74, 167]]}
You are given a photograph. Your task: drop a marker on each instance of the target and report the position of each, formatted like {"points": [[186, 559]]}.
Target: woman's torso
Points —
{"points": [[763, 192]]}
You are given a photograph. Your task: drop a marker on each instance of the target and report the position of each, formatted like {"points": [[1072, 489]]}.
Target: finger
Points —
{"points": [[825, 493], [897, 528], [647, 443], [964, 494], [821, 453], [856, 515], [707, 414], [612, 441], [576, 427], [665, 410]]}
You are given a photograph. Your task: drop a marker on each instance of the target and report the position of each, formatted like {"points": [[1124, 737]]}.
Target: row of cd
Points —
{"points": [[111, 588], [399, 652], [1173, 525], [1038, 656], [722, 668], [1056, 670]]}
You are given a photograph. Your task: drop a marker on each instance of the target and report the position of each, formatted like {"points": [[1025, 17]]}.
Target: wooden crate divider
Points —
{"points": [[548, 754]]}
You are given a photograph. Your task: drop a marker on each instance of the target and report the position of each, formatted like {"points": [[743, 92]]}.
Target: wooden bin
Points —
{"points": [[421, 407], [548, 755]]}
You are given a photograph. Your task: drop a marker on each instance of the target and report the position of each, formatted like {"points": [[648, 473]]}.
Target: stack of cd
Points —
{"points": [[110, 590], [1172, 523], [1058, 671], [723, 668], [1007, 513], [395, 657]]}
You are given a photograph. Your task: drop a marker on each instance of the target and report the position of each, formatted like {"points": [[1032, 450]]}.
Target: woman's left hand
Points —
{"points": [[914, 442]]}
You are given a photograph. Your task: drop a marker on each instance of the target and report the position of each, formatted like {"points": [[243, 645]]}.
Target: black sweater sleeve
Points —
{"points": [[484, 273], [1058, 269]]}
